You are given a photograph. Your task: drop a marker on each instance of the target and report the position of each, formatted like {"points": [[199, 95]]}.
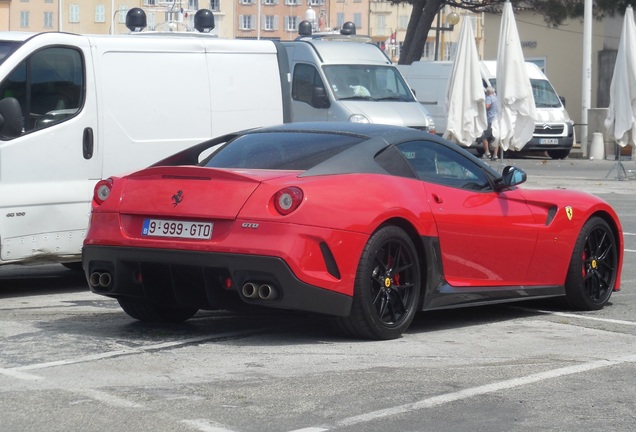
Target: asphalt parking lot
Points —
{"points": [[73, 361]]}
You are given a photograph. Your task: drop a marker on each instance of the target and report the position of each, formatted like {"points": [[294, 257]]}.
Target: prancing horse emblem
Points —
{"points": [[177, 198]]}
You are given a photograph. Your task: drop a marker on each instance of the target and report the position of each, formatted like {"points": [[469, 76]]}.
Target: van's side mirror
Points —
{"points": [[319, 98], [562, 101], [10, 118]]}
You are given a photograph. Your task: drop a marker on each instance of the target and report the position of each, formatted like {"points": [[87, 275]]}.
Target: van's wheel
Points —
{"points": [[558, 154], [143, 310], [387, 287], [593, 267]]}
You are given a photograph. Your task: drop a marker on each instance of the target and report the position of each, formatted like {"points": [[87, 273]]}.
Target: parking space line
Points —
{"points": [[106, 398], [204, 426], [310, 429], [572, 315], [480, 390], [19, 375], [136, 350]]}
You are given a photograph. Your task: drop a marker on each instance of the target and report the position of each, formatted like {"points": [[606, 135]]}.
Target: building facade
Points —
{"points": [[108, 16]]}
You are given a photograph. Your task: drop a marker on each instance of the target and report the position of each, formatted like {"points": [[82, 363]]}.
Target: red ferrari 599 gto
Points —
{"points": [[366, 223]]}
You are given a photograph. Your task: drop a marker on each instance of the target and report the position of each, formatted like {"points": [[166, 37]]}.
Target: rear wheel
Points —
{"points": [[150, 312], [593, 267], [387, 287]]}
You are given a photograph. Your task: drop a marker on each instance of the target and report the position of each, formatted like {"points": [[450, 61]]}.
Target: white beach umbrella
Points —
{"points": [[465, 99], [621, 118], [515, 125]]}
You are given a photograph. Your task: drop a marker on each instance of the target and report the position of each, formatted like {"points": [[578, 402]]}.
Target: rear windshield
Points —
{"points": [[281, 150]]}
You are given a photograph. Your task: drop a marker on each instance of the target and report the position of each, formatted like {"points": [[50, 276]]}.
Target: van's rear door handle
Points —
{"points": [[87, 143]]}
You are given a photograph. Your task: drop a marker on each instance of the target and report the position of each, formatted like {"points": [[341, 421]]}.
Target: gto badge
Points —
{"points": [[568, 212], [249, 225], [177, 198]]}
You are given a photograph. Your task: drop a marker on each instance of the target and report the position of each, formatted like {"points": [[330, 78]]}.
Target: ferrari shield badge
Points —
{"points": [[568, 212]]}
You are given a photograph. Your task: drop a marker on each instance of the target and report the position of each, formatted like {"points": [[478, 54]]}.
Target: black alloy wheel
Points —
{"points": [[387, 287], [593, 267]]}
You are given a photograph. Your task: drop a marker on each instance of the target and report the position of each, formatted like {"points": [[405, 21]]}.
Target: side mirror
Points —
{"points": [[10, 118], [512, 176], [319, 98]]}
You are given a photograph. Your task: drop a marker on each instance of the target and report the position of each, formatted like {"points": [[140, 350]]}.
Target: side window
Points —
{"points": [[48, 86], [306, 79], [436, 163]]}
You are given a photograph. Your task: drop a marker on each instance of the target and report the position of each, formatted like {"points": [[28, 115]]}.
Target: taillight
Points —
{"points": [[287, 200], [102, 190]]}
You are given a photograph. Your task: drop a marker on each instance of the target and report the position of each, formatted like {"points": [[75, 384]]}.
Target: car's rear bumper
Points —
{"points": [[204, 280]]}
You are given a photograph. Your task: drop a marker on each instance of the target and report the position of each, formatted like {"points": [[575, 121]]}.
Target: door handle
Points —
{"points": [[438, 199], [87, 143]]}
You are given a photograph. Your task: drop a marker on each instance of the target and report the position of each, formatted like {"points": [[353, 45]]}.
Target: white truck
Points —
{"points": [[75, 109], [554, 130]]}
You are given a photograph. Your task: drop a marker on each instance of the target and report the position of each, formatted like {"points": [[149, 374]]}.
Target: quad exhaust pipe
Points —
{"points": [[102, 280], [253, 290]]}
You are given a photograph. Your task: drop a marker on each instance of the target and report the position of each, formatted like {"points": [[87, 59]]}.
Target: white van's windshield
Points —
{"points": [[7, 48], [367, 82], [543, 93]]}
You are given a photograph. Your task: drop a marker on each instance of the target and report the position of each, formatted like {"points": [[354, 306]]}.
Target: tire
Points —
{"points": [[593, 267], [558, 154], [150, 312], [386, 289]]}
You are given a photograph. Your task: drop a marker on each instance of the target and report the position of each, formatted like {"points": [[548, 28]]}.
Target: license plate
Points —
{"points": [[548, 141], [176, 228]]}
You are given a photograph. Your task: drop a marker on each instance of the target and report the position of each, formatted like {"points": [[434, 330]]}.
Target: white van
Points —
{"points": [[554, 130], [344, 78], [429, 81], [76, 109]]}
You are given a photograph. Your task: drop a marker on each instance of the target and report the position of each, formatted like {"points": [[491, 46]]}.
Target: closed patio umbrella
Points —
{"points": [[515, 125], [621, 117], [465, 99]]}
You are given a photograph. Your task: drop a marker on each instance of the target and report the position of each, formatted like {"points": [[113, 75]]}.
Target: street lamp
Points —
{"points": [[451, 19]]}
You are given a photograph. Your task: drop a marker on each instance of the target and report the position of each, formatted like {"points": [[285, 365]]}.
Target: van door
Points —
{"points": [[310, 100], [46, 172]]}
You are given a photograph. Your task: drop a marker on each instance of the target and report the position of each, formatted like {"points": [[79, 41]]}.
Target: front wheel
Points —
{"points": [[593, 267], [386, 289], [143, 310]]}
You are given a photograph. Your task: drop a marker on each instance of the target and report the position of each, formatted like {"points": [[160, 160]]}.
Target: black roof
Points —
{"points": [[359, 158]]}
